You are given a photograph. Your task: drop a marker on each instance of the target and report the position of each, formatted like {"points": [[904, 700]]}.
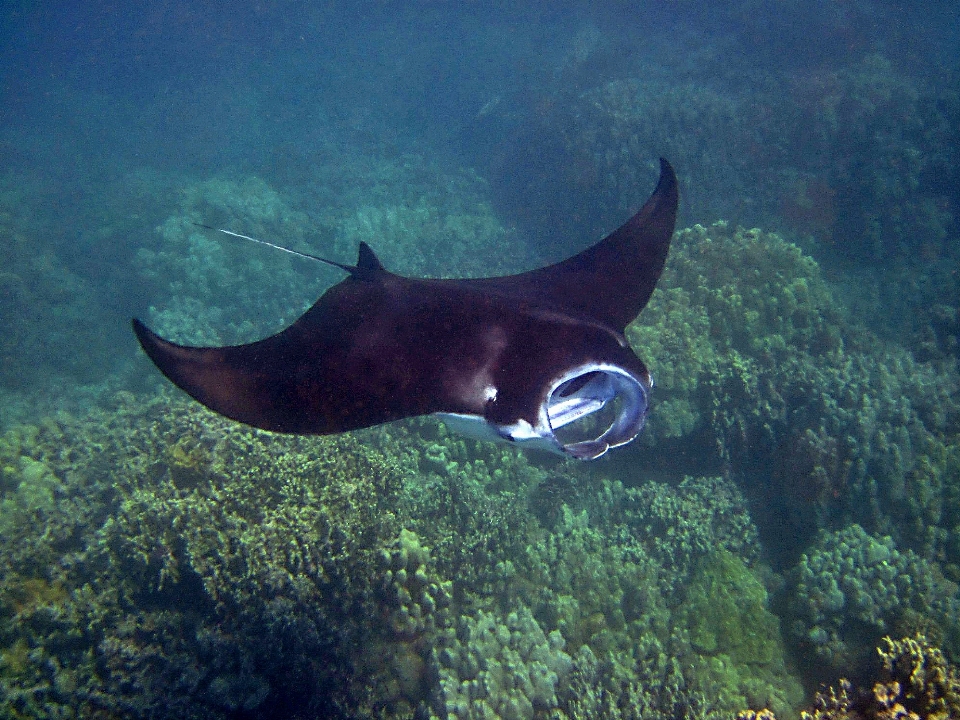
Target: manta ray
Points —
{"points": [[521, 358]]}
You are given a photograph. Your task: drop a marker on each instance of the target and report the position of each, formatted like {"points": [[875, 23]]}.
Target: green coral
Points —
{"points": [[224, 290], [725, 611], [427, 239], [755, 362], [280, 557], [733, 305], [678, 525], [499, 667], [618, 604], [851, 581], [726, 615], [206, 287], [187, 566], [874, 215], [367, 550]]}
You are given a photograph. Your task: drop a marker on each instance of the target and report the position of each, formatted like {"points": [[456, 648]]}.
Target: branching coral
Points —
{"points": [[915, 683], [919, 676]]}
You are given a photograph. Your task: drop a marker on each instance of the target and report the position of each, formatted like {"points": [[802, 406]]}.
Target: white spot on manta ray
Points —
{"points": [[479, 387]]}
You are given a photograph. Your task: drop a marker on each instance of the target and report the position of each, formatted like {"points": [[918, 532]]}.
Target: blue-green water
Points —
{"points": [[794, 499]]}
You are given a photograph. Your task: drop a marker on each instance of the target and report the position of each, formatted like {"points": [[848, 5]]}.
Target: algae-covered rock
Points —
{"points": [[726, 612]]}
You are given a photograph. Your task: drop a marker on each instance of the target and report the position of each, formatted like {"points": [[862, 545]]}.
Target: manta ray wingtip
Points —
{"points": [[143, 333], [667, 185], [156, 348]]}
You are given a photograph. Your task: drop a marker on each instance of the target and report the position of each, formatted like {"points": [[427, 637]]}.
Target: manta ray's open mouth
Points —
{"points": [[596, 408]]}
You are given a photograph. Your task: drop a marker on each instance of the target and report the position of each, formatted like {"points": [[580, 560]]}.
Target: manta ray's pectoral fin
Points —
{"points": [[228, 380]]}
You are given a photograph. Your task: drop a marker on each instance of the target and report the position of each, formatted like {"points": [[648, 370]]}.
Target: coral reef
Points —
{"points": [[678, 525], [918, 676], [166, 553], [755, 361], [211, 289], [891, 166], [851, 158], [156, 551], [162, 561], [741, 658], [45, 314], [437, 236], [852, 588], [218, 594], [915, 683], [506, 668]]}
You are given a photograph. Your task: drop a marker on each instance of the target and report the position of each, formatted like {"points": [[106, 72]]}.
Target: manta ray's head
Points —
{"points": [[607, 398], [583, 412]]}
